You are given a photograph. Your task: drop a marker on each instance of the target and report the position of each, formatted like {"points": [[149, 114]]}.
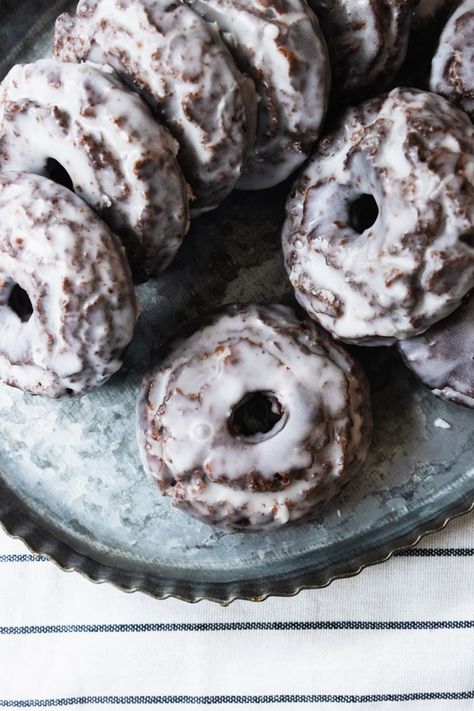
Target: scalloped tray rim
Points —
{"points": [[40, 542]]}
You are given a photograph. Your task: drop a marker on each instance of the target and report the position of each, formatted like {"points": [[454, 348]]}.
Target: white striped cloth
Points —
{"points": [[399, 635]]}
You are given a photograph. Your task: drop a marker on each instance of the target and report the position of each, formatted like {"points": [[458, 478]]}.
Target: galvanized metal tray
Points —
{"points": [[72, 487]]}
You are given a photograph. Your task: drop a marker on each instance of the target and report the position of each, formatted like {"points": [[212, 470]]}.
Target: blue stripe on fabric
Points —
{"points": [[409, 553], [241, 626], [435, 552], [242, 699], [23, 558]]}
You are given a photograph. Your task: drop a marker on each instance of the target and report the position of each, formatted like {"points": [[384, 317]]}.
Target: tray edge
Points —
{"points": [[39, 542]]}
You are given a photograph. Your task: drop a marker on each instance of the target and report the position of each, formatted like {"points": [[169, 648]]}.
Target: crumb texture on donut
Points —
{"points": [[367, 42], [181, 66], [443, 357], [57, 254], [256, 419], [119, 160], [376, 240], [452, 69], [281, 48]]}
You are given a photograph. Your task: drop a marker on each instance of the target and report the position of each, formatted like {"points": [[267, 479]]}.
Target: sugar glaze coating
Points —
{"points": [[414, 154], [452, 68], [120, 161], [75, 273], [260, 480], [443, 356], [282, 49], [186, 73], [367, 42]]}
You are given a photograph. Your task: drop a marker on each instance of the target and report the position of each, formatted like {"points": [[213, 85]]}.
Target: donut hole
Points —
{"points": [[255, 415], [468, 239], [363, 212], [58, 174], [20, 303]]}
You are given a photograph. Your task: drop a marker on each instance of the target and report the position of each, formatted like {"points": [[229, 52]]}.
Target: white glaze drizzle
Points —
{"points": [[186, 73], [443, 356], [121, 162], [367, 41], [76, 276], [317, 446], [414, 153], [282, 49], [452, 69]]}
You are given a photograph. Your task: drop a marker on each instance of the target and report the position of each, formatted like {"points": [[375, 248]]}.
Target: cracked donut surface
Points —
{"points": [[256, 419], [367, 42], [443, 356], [119, 160], [280, 46], [376, 240], [186, 73], [67, 305], [452, 68]]}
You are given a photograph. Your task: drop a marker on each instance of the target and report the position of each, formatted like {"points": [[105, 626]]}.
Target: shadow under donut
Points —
{"points": [[232, 254]]}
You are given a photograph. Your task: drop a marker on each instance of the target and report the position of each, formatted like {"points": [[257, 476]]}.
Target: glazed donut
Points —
{"points": [[377, 240], [184, 70], [67, 305], [256, 419], [443, 357], [452, 69], [367, 42], [118, 159], [282, 49]]}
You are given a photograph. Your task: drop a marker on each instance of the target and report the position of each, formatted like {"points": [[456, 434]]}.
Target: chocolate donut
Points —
{"points": [[378, 236], [256, 419], [67, 305], [57, 117], [367, 42], [452, 69], [181, 66], [443, 357], [281, 47]]}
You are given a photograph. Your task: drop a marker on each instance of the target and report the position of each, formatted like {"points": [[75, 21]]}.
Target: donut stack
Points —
{"points": [[151, 112]]}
